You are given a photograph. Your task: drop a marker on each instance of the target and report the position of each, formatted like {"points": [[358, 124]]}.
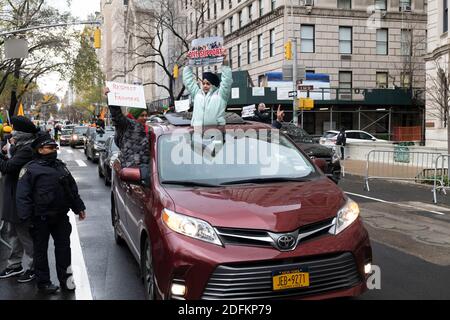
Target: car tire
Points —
{"points": [[115, 221], [148, 275]]}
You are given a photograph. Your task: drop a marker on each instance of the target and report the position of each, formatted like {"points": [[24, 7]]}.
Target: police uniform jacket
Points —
{"points": [[47, 188]]}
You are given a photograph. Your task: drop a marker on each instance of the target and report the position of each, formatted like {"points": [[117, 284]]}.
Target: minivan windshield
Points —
{"points": [[228, 158]]}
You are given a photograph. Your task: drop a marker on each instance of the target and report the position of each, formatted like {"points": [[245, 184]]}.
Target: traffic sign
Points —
{"points": [[305, 88], [292, 94]]}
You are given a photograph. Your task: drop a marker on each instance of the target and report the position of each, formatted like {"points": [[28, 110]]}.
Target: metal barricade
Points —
{"points": [[400, 164], [441, 181]]}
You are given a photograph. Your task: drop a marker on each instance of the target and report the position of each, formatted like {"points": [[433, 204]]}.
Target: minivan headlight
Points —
{"points": [[191, 227], [345, 217]]}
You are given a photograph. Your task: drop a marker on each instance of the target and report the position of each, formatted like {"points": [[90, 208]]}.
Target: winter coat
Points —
{"points": [[46, 188], [209, 109], [131, 138], [263, 117], [10, 170]]}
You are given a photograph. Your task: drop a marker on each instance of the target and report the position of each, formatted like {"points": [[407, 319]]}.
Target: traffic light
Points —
{"points": [[175, 71], [288, 50], [97, 38]]}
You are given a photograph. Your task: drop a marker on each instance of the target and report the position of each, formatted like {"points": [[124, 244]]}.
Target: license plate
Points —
{"points": [[291, 279]]}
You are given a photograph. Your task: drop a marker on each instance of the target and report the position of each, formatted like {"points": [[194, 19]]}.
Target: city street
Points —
{"points": [[410, 241]]}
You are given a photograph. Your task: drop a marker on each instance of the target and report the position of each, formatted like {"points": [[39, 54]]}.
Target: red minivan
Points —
{"points": [[237, 212]]}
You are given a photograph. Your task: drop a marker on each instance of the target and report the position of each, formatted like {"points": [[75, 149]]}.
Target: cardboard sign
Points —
{"points": [[248, 111], [206, 51], [182, 105], [126, 95]]}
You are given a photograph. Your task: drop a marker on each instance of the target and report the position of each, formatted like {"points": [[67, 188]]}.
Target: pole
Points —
{"points": [[294, 81], [6, 33]]}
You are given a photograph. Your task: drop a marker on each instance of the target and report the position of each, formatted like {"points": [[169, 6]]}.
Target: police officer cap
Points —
{"points": [[43, 139], [212, 78], [23, 124]]}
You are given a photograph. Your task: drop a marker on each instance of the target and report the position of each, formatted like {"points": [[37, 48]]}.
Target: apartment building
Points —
{"points": [[437, 71]]}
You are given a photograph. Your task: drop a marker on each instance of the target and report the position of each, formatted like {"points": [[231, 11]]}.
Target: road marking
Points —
{"points": [[69, 151], [81, 163], [80, 276], [397, 204], [81, 150]]}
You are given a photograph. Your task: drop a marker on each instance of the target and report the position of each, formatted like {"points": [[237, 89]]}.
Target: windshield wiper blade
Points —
{"points": [[189, 183], [266, 180]]}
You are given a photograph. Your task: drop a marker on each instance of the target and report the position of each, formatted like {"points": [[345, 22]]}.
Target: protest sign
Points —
{"points": [[126, 95], [206, 51], [248, 111], [182, 105]]}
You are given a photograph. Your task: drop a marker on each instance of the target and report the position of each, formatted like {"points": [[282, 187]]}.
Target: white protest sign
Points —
{"points": [[126, 95], [182, 105], [248, 111]]}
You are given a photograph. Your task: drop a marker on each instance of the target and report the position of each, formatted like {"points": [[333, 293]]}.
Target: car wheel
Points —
{"points": [[147, 271], [117, 233]]}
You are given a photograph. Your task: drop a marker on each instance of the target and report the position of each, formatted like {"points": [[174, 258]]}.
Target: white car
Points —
{"points": [[353, 136]]}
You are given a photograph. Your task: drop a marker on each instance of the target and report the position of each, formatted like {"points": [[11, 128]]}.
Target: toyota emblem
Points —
{"points": [[286, 242]]}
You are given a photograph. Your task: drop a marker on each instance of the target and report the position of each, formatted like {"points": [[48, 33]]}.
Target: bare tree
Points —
{"points": [[165, 26], [438, 96]]}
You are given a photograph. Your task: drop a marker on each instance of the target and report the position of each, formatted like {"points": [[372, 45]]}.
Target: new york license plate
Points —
{"points": [[291, 279]]}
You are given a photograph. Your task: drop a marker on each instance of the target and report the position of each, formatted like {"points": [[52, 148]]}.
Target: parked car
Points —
{"points": [[107, 157], [95, 142], [353, 136], [205, 230], [78, 136], [314, 150], [64, 138]]}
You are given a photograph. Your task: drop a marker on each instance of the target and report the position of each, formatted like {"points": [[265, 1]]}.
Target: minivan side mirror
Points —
{"points": [[320, 163], [131, 175]]}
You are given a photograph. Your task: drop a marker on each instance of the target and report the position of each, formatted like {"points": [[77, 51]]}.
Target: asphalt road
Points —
{"points": [[410, 240]]}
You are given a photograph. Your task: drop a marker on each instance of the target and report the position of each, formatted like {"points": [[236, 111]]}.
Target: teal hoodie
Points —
{"points": [[209, 109]]}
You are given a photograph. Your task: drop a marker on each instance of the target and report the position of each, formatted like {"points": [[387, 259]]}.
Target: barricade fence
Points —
{"points": [[441, 180]]}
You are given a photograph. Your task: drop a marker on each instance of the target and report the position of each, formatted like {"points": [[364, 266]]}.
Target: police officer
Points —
{"points": [[45, 193]]}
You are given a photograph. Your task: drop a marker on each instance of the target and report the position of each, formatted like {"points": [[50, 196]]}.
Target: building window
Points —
{"points": [[380, 4], [345, 40], [382, 41], [192, 23], [344, 4], [208, 12], [405, 79], [272, 43], [307, 38], [215, 9], [445, 17], [240, 19], [345, 81], [261, 81], [406, 42], [405, 5], [250, 9], [249, 51], [223, 28], [231, 24], [273, 4], [230, 4], [261, 8], [260, 47], [221, 4], [230, 55], [382, 80], [185, 4], [239, 55], [310, 71]]}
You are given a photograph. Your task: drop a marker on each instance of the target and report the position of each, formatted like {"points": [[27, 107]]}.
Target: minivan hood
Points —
{"points": [[280, 207]]}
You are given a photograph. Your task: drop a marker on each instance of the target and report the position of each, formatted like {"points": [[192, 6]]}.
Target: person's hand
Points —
{"points": [[280, 114], [82, 215], [106, 91]]}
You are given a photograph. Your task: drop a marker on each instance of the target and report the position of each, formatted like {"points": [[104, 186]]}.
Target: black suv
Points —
{"points": [[107, 158], [314, 150], [95, 142]]}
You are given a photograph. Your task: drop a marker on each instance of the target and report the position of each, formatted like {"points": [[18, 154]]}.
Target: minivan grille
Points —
{"points": [[254, 280]]}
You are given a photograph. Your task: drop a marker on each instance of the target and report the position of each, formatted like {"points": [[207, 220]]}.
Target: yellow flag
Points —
{"points": [[20, 111]]}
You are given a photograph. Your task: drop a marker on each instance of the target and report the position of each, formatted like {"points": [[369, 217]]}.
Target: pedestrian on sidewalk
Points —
{"points": [[46, 191], [18, 236], [341, 141]]}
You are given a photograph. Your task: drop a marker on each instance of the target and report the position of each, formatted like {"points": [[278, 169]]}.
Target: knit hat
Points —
{"points": [[212, 78], [23, 124], [136, 112], [7, 129]]}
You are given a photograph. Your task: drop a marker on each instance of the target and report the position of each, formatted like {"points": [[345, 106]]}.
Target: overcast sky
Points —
{"points": [[80, 9]]}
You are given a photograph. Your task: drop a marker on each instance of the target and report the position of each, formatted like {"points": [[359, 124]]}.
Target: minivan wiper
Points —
{"points": [[266, 180], [189, 183]]}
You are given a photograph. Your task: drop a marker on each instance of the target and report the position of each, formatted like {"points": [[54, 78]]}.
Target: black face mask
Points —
{"points": [[50, 157]]}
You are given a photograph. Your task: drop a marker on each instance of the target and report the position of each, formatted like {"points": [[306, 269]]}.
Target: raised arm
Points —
{"points": [[189, 81], [226, 83]]}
